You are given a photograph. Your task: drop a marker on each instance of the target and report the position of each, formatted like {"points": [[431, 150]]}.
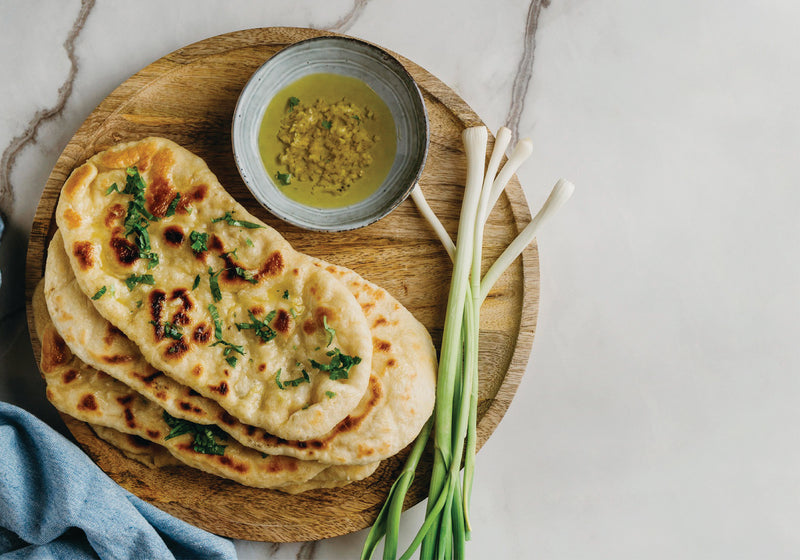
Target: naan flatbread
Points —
{"points": [[155, 456], [87, 394], [185, 285], [133, 447], [398, 402]]}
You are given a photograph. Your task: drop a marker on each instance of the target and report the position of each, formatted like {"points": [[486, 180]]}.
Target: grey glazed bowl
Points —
{"points": [[348, 57]]}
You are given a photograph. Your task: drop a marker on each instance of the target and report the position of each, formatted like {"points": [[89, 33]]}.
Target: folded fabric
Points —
{"points": [[56, 503]]}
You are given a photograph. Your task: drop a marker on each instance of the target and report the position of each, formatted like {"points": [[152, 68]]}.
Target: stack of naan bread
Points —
{"points": [[185, 330]]}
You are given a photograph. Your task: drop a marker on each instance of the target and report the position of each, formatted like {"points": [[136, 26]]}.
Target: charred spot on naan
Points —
{"points": [[157, 299], [125, 251], [148, 379], [381, 345], [282, 322], [116, 359], [69, 376], [153, 434], [55, 351], [173, 235], [112, 333], [189, 407], [226, 418], [72, 218], [84, 252], [222, 388], [198, 193], [80, 179], [176, 350], [272, 266], [279, 463], [238, 466], [138, 154], [367, 307], [130, 419], [180, 318], [88, 403], [160, 191], [183, 295], [114, 215], [202, 333]]}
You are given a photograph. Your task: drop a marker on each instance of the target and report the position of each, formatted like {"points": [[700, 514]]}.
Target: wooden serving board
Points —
{"points": [[189, 96]]}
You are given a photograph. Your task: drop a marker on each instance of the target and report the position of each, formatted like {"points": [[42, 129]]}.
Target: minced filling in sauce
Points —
{"points": [[327, 140]]}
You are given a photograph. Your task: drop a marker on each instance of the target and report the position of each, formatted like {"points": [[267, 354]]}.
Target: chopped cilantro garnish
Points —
{"points": [[249, 242], [135, 279], [297, 381], [213, 283], [293, 313], [138, 304], [330, 394], [170, 329], [285, 294], [99, 293], [231, 221], [232, 360], [261, 328], [330, 330], [326, 125], [284, 178], [356, 117], [293, 101], [245, 274], [292, 382], [138, 217], [217, 323], [112, 188], [199, 241], [339, 365], [173, 205], [204, 435], [229, 347], [196, 282]]}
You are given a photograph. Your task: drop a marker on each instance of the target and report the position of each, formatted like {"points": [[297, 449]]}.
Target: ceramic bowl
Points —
{"points": [[348, 57]]}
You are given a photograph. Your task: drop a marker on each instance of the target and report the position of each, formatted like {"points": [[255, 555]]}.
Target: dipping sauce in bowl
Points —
{"points": [[330, 134], [328, 140]]}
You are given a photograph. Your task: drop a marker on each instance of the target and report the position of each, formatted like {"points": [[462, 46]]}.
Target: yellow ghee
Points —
{"points": [[327, 140]]}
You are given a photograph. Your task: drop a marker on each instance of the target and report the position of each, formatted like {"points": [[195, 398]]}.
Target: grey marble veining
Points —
{"points": [[28, 136], [24, 387], [658, 414]]}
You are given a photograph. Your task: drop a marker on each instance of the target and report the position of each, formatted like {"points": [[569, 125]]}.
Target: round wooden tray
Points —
{"points": [[189, 97]]}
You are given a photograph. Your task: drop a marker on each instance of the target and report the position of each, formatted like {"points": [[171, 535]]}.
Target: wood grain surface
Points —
{"points": [[189, 96]]}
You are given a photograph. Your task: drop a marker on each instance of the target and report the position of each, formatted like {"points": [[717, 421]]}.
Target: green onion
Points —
{"points": [[447, 525]]}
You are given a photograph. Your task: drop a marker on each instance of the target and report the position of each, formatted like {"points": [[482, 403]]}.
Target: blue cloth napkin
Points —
{"points": [[56, 503]]}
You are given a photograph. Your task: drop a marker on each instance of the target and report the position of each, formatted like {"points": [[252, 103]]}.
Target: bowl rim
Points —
{"points": [[416, 93]]}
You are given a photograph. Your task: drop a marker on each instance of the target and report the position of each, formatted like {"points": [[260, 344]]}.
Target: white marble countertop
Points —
{"points": [[659, 414]]}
